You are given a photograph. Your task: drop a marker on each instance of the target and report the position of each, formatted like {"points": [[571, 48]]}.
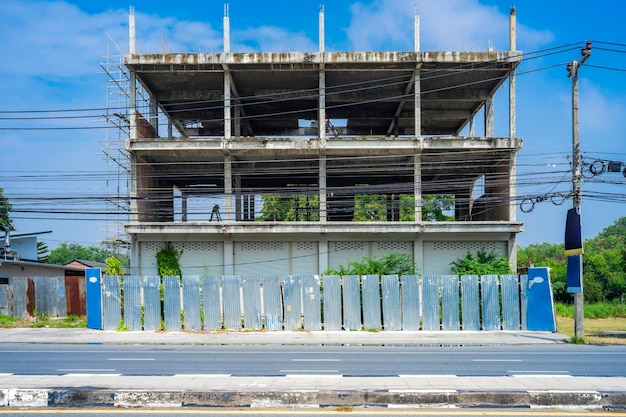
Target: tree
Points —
{"points": [[42, 252], [484, 263], [167, 260], [290, 208], [389, 264], [5, 208], [67, 252], [113, 267]]}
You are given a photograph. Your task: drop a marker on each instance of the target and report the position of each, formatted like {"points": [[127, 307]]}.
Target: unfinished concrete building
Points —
{"points": [[297, 162]]}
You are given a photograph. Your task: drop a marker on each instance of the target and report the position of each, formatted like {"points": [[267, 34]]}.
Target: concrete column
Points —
{"points": [[489, 118], [322, 191], [183, 206], [132, 78], [512, 96], [131, 30], [237, 193], [227, 109], [229, 257], [321, 116], [134, 206], [227, 216], [513, 188], [418, 253], [471, 128], [227, 79], [322, 257], [154, 115], [417, 186], [418, 105], [417, 76]]}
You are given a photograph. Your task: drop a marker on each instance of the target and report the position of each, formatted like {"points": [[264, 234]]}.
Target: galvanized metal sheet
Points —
{"points": [[370, 286], [111, 303], [510, 302], [171, 303], [410, 302], [470, 304], [331, 302], [152, 302], [132, 302], [251, 286], [523, 279], [450, 319], [272, 303], [191, 302], [431, 309], [391, 302], [20, 296], [5, 308], [311, 303], [351, 302], [292, 294], [50, 296], [211, 303], [490, 302], [232, 305]]}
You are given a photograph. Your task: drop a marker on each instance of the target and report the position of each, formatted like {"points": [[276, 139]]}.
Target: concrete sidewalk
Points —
{"points": [[409, 391]]}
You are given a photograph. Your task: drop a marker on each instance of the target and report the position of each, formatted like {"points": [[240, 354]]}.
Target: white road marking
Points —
{"points": [[84, 370], [497, 360], [130, 359], [316, 360], [306, 371]]}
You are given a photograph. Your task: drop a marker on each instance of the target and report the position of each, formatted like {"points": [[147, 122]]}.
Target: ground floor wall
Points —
{"points": [[295, 255]]}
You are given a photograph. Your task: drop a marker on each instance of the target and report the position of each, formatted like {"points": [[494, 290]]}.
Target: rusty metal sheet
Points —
{"points": [[75, 294]]}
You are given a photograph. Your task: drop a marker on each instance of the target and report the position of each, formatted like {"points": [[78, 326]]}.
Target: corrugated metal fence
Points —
{"points": [[309, 302]]}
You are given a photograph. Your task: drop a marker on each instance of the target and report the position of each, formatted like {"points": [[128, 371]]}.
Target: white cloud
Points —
{"points": [[464, 25], [600, 114]]}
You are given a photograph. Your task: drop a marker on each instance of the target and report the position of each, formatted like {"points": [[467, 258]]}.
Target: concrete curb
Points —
{"points": [[87, 397]]}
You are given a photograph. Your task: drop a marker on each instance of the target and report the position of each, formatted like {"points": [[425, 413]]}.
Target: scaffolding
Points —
{"points": [[118, 129]]}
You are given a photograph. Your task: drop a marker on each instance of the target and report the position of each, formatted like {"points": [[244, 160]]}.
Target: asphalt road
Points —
{"points": [[280, 360]]}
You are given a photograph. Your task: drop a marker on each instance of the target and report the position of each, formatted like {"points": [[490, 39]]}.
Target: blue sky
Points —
{"points": [[52, 51]]}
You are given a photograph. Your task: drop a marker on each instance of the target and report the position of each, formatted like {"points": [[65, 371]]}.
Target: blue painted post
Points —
{"points": [[93, 290]]}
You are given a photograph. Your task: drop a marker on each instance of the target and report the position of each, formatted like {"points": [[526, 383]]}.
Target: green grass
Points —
{"points": [[42, 320], [603, 310]]}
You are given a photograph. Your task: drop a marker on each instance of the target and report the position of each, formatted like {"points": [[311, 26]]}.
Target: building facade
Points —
{"points": [[297, 162]]}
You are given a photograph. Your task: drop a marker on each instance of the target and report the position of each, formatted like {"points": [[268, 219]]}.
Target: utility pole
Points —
{"points": [[572, 72]]}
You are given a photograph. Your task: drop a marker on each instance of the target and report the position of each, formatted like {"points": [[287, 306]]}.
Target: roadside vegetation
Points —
{"points": [[42, 321]]}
